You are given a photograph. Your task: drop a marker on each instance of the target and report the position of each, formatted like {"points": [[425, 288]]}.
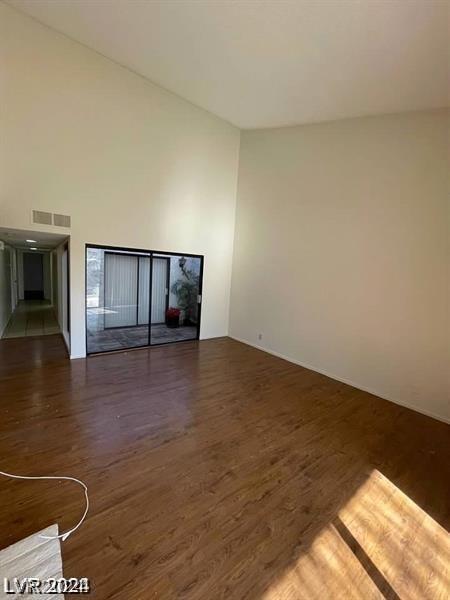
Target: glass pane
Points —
{"points": [[121, 279], [117, 300], [175, 294]]}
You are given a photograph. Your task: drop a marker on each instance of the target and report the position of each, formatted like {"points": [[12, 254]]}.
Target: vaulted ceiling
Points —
{"points": [[268, 63]]}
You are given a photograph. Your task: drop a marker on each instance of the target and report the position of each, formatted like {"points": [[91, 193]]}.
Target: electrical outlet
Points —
{"points": [[260, 336]]}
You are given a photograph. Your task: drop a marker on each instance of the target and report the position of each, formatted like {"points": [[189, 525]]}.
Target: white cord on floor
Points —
{"points": [[62, 536]]}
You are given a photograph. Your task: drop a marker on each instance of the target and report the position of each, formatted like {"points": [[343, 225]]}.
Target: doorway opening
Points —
{"points": [[139, 298], [34, 269], [33, 276]]}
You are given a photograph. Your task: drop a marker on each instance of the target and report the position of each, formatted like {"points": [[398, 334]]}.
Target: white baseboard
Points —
{"points": [[342, 380]]}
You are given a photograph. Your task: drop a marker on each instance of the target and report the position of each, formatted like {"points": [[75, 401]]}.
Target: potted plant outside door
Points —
{"points": [[173, 317]]}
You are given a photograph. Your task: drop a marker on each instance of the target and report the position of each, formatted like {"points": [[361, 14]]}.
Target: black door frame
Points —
{"points": [[141, 252]]}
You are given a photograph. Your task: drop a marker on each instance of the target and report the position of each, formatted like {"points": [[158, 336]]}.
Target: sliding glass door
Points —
{"points": [[180, 276], [115, 300], [138, 298]]}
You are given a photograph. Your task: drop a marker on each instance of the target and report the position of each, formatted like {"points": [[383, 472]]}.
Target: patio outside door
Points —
{"points": [[140, 298]]}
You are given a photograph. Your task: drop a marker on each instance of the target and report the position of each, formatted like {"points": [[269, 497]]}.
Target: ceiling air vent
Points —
{"points": [[44, 218], [61, 220]]}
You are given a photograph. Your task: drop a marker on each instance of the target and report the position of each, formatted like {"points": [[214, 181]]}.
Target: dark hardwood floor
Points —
{"points": [[218, 471]]}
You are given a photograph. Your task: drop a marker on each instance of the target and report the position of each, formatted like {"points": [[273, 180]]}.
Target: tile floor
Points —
{"points": [[32, 317]]}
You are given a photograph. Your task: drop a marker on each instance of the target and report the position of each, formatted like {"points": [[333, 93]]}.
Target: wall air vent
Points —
{"points": [[44, 218], [61, 220], [47, 218]]}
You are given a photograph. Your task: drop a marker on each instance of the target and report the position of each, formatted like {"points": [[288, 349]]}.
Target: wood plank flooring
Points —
{"points": [[218, 471]]}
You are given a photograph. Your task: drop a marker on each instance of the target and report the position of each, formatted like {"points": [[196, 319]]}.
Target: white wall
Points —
{"points": [[47, 275], [14, 279], [63, 311], [342, 252], [133, 165], [20, 281], [6, 307], [59, 285], [55, 283], [58, 289]]}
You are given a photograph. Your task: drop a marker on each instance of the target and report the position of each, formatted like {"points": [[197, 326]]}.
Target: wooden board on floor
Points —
{"points": [[31, 558]]}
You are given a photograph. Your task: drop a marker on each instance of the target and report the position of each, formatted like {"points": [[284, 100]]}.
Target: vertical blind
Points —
{"points": [[127, 285], [121, 277], [159, 289], [144, 287]]}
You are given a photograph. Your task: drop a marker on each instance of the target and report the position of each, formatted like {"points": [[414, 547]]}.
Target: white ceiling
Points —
{"points": [[18, 237], [267, 63]]}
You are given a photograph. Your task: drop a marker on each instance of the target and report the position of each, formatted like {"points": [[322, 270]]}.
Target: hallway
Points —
{"points": [[30, 318]]}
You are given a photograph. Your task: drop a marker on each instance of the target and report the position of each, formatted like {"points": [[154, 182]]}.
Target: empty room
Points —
{"points": [[225, 299]]}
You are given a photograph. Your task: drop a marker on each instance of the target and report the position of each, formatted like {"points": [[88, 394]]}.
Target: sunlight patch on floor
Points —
{"points": [[380, 545]]}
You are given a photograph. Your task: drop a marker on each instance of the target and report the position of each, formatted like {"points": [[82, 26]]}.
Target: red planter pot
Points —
{"points": [[173, 317]]}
